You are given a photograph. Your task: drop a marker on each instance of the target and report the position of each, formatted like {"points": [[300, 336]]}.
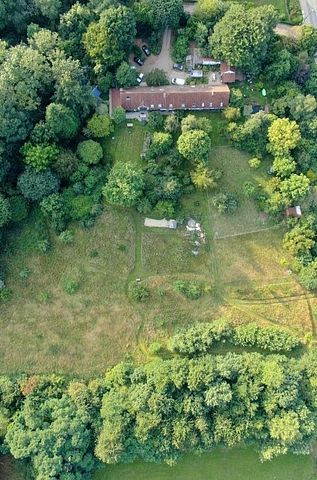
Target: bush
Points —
{"points": [[155, 348], [231, 113], [156, 78], [119, 115], [249, 189], [225, 203], [71, 286], [90, 152], [137, 291], [271, 338], [5, 210], [79, 207], [192, 290], [24, 273], [165, 208], [66, 237], [43, 245], [19, 208], [155, 121], [5, 295], [180, 48], [254, 162], [200, 337], [54, 209]]}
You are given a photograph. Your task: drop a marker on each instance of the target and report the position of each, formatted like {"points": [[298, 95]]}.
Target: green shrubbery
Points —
{"points": [[202, 336], [137, 291], [191, 289]]}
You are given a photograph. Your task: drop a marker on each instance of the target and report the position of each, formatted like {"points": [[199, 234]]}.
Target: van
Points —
{"points": [[178, 81], [140, 77]]}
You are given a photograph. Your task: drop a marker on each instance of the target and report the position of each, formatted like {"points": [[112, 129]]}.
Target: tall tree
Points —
{"points": [[109, 40], [242, 36]]}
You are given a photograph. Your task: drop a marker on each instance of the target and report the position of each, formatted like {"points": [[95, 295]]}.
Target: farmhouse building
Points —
{"points": [[187, 97]]}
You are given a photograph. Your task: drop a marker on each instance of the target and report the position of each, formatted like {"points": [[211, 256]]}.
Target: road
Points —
{"points": [[309, 11]]}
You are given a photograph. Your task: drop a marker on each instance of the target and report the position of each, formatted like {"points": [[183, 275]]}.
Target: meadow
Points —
{"points": [[242, 264], [221, 464]]}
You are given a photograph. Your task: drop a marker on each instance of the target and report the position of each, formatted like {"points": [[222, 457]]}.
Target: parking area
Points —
{"points": [[163, 61]]}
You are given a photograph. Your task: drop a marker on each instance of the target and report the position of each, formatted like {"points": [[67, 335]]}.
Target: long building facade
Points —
{"points": [[187, 97]]}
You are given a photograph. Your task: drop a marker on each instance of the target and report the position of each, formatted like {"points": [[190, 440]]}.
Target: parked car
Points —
{"points": [[178, 66], [178, 81], [140, 78], [138, 60], [146, 50]]}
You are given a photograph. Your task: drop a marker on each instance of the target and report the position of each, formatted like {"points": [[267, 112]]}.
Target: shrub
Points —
{"points": [[45, 296], [268, 338], [200, 337], [180, 48], [165, 208], [43, 245], [119, 115], [249, 189], [5, 210], [71, 286], [155, 348], [66, 237], [225, 203], [90, 152], [137, 291], [100, 126], [19, 208], [255, 162], [191, 289], [54, 209], [231, 113], [156, 78], [5, 295], [144, 205], [80, 206], [155, 121], [24, 273]]}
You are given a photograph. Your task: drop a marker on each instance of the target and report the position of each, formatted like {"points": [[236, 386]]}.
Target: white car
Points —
{"points": [[140, 77], [178, 81]]}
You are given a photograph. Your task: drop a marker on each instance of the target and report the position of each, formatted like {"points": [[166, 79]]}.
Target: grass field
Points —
{"points": [[84, 333], [126, 144], [221, 464]]}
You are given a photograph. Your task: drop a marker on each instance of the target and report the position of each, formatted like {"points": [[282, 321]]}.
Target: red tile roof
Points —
{"points": [[188, 97], [230, 74]]}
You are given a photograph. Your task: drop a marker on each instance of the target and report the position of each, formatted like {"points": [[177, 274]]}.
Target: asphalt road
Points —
{"points": [[309, 11]]}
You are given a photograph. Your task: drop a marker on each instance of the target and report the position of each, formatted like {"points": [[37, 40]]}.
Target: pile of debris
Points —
{"points": [[199, 237]]}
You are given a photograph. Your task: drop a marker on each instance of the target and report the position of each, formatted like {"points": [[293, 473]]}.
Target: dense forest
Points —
{"points": [[192, 400]]}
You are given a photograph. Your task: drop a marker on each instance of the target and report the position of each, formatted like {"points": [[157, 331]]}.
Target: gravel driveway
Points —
{"points": [[163, 61]]}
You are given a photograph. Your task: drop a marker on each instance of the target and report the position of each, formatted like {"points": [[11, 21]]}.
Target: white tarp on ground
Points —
{"points": [[151, 222]]}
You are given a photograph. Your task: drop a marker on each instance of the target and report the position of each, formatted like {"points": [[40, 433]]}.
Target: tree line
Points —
{"points": [[190, 402]]}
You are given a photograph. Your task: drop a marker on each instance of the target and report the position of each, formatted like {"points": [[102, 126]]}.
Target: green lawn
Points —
{"points": [[221, 464], [126, 144], [236, 172]]}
